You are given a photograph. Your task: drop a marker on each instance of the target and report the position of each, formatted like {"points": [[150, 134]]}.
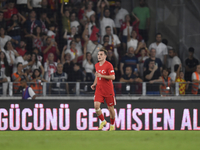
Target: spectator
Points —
{"points": [[31, 23], [65, 19], [14, 28], [4, 73], [142, 60], [24, 60], [91, 23], [73, 51], [5, 38], [88, 65], [2, 21], [135, 24], [129, 60], [17, 77], [36, 4], [45, 22], [51, 33], [36, 64], [68, 66], [196, 81], [70, 37], [36, 81], [141, 45], [143, 14], [51, 47], [10, 10], [37, 38], [120, 14], [165, 87], [92, 43], [22, 48], [77, 39], [23, 6], [182, 83], [172, 75], [38, 52], [129, 78], [112, 59], [74, 22], [175, 59], [132, 39], [89, 11], [49, 67], [190, 64], [59, 79], [125, 28], [114, 41], [151, 75], [10, 52], [99, 5], [158, 62], [81, 15], [169, 59], [77, 74], [105, 21], [161, 49]]}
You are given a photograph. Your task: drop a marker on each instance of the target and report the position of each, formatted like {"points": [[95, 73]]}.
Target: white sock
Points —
{"points": [[111, 125], [104, 120]]}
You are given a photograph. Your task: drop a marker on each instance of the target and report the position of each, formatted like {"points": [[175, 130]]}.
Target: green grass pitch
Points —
{"points": [[99, 140]]}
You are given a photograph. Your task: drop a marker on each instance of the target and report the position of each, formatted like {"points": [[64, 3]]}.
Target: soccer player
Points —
{"points": [[104, 88], [27, 92]]}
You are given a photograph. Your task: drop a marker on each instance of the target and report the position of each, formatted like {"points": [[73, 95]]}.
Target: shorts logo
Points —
{"points": [[110, 103], [112, 71]]}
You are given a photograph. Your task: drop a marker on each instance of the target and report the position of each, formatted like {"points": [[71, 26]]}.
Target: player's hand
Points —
{"points": [[93, 86], [98, 75]]}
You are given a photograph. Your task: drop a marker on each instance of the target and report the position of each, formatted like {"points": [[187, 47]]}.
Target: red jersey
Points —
{"points": [[8, 14], [20, 51], [104, 87]]}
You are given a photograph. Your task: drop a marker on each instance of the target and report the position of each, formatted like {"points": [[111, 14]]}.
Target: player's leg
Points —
{"points": [[112, 117], [97, 103], [110, 103]]}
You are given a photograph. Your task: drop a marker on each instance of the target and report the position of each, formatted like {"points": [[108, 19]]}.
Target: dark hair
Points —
{"points": [[12, 18], [158, 34], [173, 50], [165, 41], [4, 31], [36, 48], [176, 67], [165, 68], [91, 57], [35, 31], [5, 47], [71, 42], [19, 64], [7, 70], [108, 27], [77, 36], [105, 37], [191, 49], [36, 59], [106, 9], [33, 75], [104, 50], [151, 60]]}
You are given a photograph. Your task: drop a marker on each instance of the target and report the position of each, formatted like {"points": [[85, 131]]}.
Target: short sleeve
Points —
{"points": [[117, 40], [193, 76], [13, 77], [111, 70], [146, 63], [84, 63], [31, 92], [45, 66], [150, 46], [165, 50], [113, 24]]}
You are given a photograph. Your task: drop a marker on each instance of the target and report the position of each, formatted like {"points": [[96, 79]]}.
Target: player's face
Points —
{"points": [[101, 56]]}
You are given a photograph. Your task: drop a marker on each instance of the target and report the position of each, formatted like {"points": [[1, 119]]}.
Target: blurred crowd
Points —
{"points": [[58, 41]]}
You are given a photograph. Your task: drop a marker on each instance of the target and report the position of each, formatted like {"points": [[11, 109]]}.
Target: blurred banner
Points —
{"points": [[80, 115]]}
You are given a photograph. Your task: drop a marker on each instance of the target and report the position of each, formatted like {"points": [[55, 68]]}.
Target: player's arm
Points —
{"points": [[94, 84], [108, 77]]}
